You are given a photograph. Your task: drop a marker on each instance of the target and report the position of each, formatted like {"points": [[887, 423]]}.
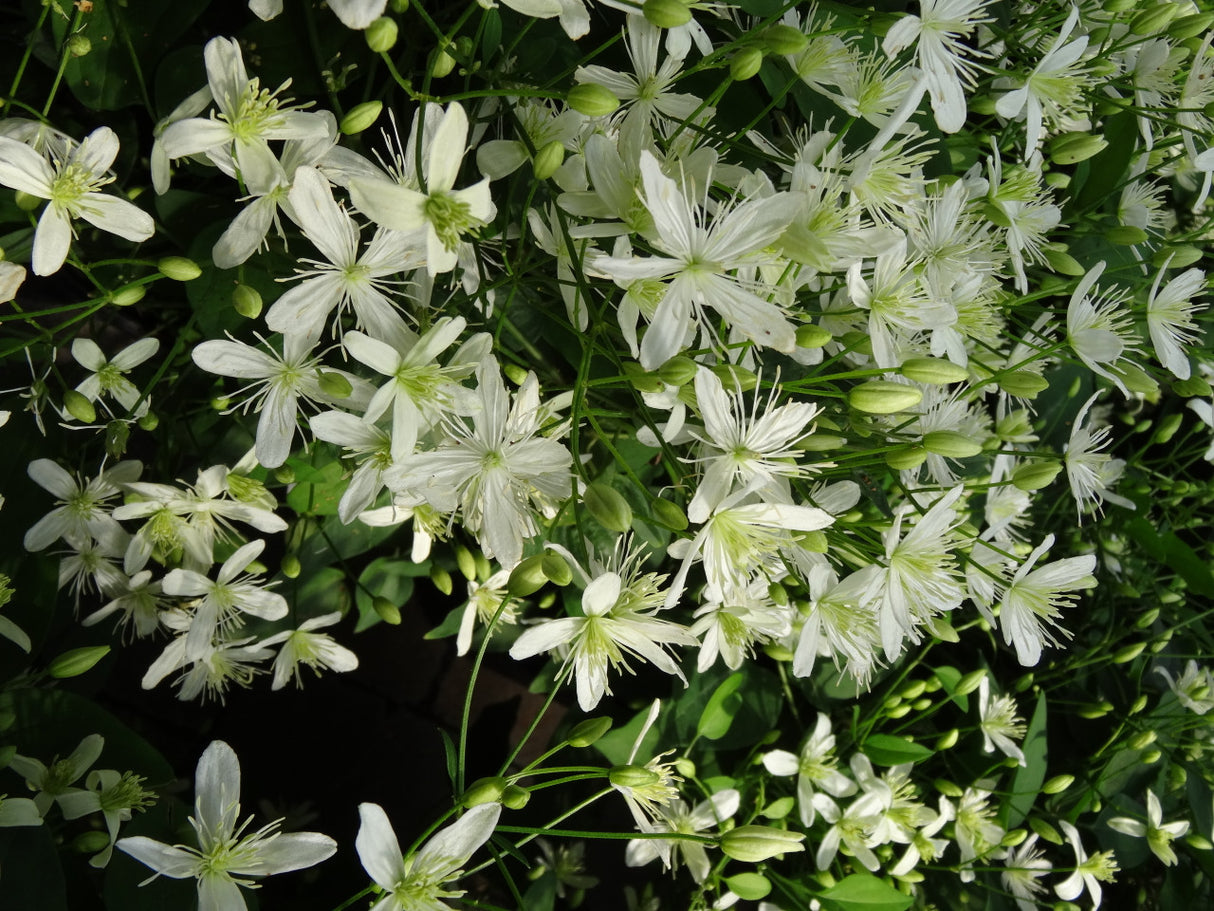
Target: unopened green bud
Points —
{"points": [[907, 458], [388, 612], [668, 515], [1152, 756], [466, 562], [666, 13], [484, 790], [1125, 235], [746, 64], [1190, 26], [1167, 427], [685, 767], [821, 442], [78, 406], [527, 578], [555, 568], [1057, 784], [678, 371], [641, 379], [779, 808], [1128, 653], [1023, 384], [441, 63], [514, 373], [1147, 619], [951, 444], [933, 370], [1142, 740], [77, 661], [26, 202], [117, 433], [1071, 148], [361, 117], [592, 99], [381, 35], [755, 844], [148, 421], [291, 567], [1200, 842], [515, 798], [247, 301], [334, 385], [179, 268], [1095, 710], [399, 6], [608, 506], [922, 704], [1013, 838], [1153, 20], [284, 474], [1035, 475], [90, 842], [1063, 263], [810, 335], [899, 711], [1138, 704], [442, 580], [969, 682], [79, 45], [736, 377], [1045, 830], [947, 788], [784, 39], [751, 887], [548, 159], [777, 652], [586, 733], [128, 296], [883, 397], [483, 569], [633, 776], [813, 541]]}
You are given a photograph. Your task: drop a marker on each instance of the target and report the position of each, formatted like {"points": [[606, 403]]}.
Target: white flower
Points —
{"points": [[999, 722], [305, 646], [1024, 866], [71, 184], [112, 794], [1091, 472], [1170, 319], [81, 513], [419, 884], [108, 376], [1195, 688], [676, 816], [815, 769], [1031, 604], [1098, 329], [1159, 834], [55, 781], [978, 835], [1089, 871], [226, 857]]}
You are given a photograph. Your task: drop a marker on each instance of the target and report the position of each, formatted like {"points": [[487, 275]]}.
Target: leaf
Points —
{"points": [[949, 677], [886, 749], [452, 757], [1026, 784], [865, 892], [722, 707], [1173, 551]]}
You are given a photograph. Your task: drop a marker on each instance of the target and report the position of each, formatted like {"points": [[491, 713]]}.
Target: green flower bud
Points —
{"points": [[116, 435], [465, 561], [784, 39], [608, 506], [548, 159], [79, 407], [284, 474], [1176, 257], [777, 652], [751, 887], [77, 661], [1063, 263], [1167, 428], [592, 99], [1057, 784], [735, 377], [633, 776], [1200, 842], [399, 6], [515, 374], [388, 612], [555, 568], [1142, 740], [685, 767], [1035, 475], [1190, 26], [641, 379], [678, 371], [128, 296], [1147, 619], [515, 798], [247, 301], [1023, 384], [1128, 653], [883, 397], [149, 421], [79, 45], [1095, 710], [381, 35], [442, 580], [361, 117], [179, 268], [26, 202], [441, 63], [755, 844], [934, 370], [527, 577], [969, 682], [90, 842], [951, 444], [334, 385], [666, 13], [1150, 757], [1071, 148], [1125, 235], [1013, 838], [484, 790], [821, 442], [746, 64], [810, 335], [1045, 830], [1153, 20], [587, 732], [291, 567], [908, 458], [668, 515]]}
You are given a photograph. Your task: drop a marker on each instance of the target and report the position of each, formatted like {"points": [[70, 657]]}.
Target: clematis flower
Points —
{"points": [[227, 857], [1170, 318], [1089, 872], [815, 768], [81, 513], [1000, 725], [678, 817], [108, 377], [71, 184], [54, 782], [1159, 834], [1031, 603], [306, 646]]}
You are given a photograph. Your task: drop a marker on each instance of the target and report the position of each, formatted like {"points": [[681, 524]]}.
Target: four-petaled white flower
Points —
{"points": [[306, 646], [1031, 604], [107, 377], [1159, 834]]}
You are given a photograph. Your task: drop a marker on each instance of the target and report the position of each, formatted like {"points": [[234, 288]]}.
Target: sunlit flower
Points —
{"points": [[1159, 834]]}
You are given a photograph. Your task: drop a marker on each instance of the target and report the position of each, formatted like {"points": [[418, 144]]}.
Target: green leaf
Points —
{"points": [[1026, 784], [949, 677], [886, 749], [749, 886], [450, 625], [722, 707], [865, 892], [1173, 551], [317, 489], [452, 758], [541, 894]]}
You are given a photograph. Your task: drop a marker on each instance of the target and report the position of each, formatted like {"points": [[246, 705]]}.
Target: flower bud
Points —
{"points": [[381, 35], [678, 371], [777, 652], [1063, 263], [1190, 26], [821, 442], [1045, 830], [1057, 784], [361, 117], [883, 397], [399, 6], [1095, 710], [755, 844], [933, 370], [1035, 475], [951, 444], [641, 379], [1128, 653], [666, 13], [527, 577], [79, 45], [91, 842], [1125, 235], [284, 474], [514, 373], [969, 682], [116, 435], [592, 99], [466, 562], [441, 579], [1013, 838], [810, 335], [1142, 740], [735, 377], [441, 63], [548, 159], [148, 421], [633, 776], [388, 612], [290, 566], [79, 407], [746, 64], [1167, 428], [515, 798], [784, 39], [334, 385], [1200, 842], [77, 661], [1153, 20], [128, 296], [906, 458], [668, 515], [484, 790], [1071, 148], [751, 887], [555, 568], [1023, 384], [26, 202], [179, 268], [608, 506], [587, 732], [247, 301], [1150, 757]]}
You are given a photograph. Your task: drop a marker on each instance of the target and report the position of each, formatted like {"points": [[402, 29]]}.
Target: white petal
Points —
{"points": [[447, 149], [164, 859], [52, 240], [378, 848], [217, 787]]}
